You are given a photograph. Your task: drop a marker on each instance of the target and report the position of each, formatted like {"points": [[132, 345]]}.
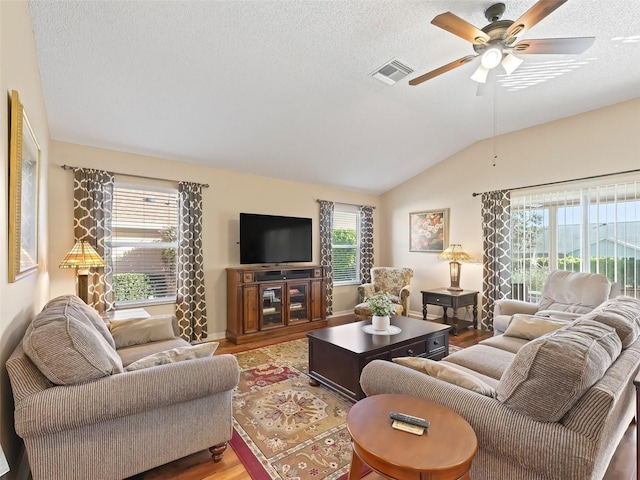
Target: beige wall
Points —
{"points": [[229, 194], [600, 141], [20, 300]]}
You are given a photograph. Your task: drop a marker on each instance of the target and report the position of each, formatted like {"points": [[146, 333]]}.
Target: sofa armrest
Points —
{"points": [[67, 407], [511, 307], [541, 447], [405, 292], [365, 291]]}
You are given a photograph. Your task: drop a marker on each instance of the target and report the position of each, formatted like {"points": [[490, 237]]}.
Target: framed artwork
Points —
{"points": [[24, 163], [429, 231]]}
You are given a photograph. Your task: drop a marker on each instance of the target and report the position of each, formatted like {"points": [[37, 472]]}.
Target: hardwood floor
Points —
{"points": [[200, 467]]}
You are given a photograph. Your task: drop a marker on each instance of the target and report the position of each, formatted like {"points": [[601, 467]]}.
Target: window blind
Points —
{"points": [[587, 229], [144, 244], [345, 247]]}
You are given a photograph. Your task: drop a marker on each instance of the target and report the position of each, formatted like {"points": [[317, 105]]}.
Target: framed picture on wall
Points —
{"points": [[429, 231], [24, 160]]}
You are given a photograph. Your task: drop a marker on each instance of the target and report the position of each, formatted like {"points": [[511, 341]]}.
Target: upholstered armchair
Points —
{"points": [[394, 281], [565, 296]]}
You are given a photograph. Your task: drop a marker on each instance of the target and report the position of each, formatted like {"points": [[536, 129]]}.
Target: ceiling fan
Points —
{"points": [[495, 42]]}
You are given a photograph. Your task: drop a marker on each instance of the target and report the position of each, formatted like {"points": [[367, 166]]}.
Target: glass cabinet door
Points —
{"points": [[298, 302], [271, 306]]}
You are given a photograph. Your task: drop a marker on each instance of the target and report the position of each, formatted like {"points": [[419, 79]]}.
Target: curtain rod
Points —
{"points": [[205, 185], [565, 181], [343, 203]]}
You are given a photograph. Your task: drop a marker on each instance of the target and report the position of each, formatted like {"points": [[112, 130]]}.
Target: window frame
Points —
{"points": [[159, 245], [349, 209]]}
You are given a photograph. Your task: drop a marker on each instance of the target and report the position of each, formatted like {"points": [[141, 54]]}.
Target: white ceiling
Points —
{"points": [[282, 88]]}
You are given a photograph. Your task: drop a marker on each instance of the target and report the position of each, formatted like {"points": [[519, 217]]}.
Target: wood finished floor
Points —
{"points": [[200, 467]]}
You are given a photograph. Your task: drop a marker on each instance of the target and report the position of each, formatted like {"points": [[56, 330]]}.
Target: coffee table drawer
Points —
{"points": [[413, 350], [437, 343]]}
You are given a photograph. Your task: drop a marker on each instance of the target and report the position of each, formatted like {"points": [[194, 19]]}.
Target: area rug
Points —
{"points": [[283, 427]]}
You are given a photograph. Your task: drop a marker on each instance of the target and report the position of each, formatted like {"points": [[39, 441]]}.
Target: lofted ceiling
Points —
{"points": [[283, 88]]}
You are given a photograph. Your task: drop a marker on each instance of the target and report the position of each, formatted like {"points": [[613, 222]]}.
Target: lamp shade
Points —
{"points": [[455, 252], [82, 256]]}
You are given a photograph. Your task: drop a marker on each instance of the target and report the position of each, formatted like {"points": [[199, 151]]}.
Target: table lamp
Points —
{"points": [[82, 257], [455, 252]]}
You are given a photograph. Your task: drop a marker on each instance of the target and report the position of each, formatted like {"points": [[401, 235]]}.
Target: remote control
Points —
{"points": [[403, 417], [407, 427]]}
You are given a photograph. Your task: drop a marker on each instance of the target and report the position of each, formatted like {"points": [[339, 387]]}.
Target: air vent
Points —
{"points": [[392, 71]]}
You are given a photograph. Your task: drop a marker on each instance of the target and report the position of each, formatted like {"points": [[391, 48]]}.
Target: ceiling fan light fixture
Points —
{"points": [[491, 58], [480, 75], [510, 63]]}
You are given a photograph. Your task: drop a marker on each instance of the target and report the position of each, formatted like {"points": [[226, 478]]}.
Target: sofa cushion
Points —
{"points": [[529, 327], [484, 359], [174, 355], [67, 348], [622, 314], [137, 331], [83, 310], [550, 373], [447, 373], [510, 344]]}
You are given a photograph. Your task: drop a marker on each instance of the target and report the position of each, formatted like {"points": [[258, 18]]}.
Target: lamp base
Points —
{"points": [[455, 289]]}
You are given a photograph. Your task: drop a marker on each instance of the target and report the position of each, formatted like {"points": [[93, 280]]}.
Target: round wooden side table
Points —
{"points": [[443, 452]]}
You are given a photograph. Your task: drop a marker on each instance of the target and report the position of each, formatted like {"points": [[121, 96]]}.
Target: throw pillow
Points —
{"points": [[551, 373], [84, 312], [622, 314], [136, 331], [174, 355], [529, 327], [447, 373], [67, 349]]}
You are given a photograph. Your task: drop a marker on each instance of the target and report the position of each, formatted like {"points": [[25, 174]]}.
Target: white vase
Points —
{"points": [[381, 323]]}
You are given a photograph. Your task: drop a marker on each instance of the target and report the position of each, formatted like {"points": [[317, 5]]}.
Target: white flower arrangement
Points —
{"points": [[381, 304]]}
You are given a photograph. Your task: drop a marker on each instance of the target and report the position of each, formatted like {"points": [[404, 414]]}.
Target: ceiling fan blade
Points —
{"points": [[463, 29], [531, 17], [569, 46], [439, 71]]}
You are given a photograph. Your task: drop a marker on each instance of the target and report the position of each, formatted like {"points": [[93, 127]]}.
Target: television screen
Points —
{"points": [[274, 239]]}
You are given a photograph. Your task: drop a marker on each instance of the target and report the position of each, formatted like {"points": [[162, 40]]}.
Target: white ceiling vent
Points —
{"points": [[392, 71]]}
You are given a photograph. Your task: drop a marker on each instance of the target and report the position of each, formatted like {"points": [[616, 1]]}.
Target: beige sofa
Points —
{"points": [[82, 415], [553, 407]]}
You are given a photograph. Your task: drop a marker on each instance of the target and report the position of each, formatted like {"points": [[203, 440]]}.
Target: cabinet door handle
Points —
{"points": [[436, 342], [410, 352]]}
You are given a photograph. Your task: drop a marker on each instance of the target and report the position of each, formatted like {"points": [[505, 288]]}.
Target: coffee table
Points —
{"points": [[338, 354], [443, 452]]}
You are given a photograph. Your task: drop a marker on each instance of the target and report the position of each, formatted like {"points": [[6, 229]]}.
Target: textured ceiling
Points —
{"points": [[283, 88]]}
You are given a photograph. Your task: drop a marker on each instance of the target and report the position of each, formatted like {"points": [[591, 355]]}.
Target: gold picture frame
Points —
{"points": [[24, 174], [429, 231]]}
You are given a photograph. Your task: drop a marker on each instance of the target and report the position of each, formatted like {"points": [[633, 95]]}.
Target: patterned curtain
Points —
{"points": [[191, 308], [92, 209], [496, 252], [326, 232], [366, 243]]}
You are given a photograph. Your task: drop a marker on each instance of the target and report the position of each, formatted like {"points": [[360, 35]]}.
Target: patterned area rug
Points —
{"points": [[285, 428], [293, 430]]}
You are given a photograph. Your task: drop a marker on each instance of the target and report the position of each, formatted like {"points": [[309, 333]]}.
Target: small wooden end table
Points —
{"points": [[443, 452], [446, 298]]}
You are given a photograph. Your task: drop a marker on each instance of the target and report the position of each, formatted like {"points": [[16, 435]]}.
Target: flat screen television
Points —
{"points": [[274, 239]]}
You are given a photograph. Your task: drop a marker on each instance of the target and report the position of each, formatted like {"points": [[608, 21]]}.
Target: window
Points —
{"points": [[590, 229], [144, 244], [345, 247]]}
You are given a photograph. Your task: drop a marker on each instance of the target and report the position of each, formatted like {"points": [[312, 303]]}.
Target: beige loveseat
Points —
{"points": [[83, 415], [553, 407]]}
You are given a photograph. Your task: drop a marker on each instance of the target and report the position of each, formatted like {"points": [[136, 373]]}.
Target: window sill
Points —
{"points": [[145, 303], [346, 284]]}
